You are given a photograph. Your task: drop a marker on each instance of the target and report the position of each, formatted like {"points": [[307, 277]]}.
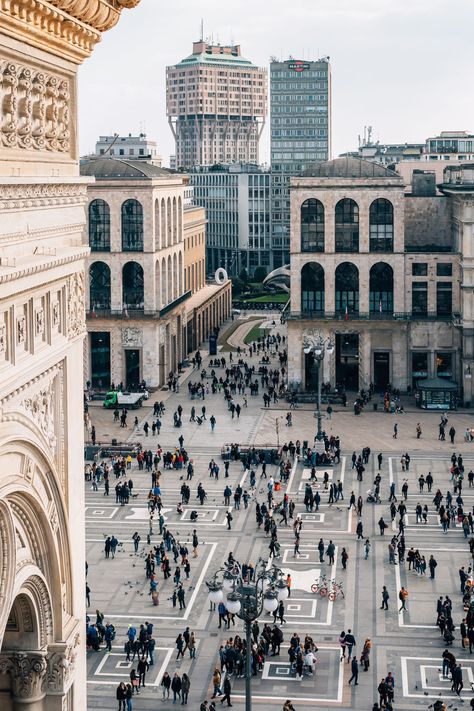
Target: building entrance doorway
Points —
{"points": [[347, 360], [381, 370], [132, 368], [100, 359], [311, 373]]}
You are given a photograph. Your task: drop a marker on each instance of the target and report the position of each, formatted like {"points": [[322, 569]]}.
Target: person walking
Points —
{"points": [[121, 696], [395, 431], [350, 644], [432, 563], [367, 548], [185, 686], [385, 598], [402, 596], [176, 685], [166, 684], [142, 668], [355, 672], [330, 551], [344, 558], [227, 688], [216, 682]]}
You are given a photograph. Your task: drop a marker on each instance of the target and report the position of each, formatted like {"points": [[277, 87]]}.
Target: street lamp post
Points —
{"points": [[247, 599], [314, 342]]}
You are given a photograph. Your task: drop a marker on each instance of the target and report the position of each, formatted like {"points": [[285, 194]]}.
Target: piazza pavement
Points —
{"points": [[406, 643]]}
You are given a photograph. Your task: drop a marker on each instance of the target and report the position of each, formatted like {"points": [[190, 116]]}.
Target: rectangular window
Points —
{"points": [[444, 269], [419, 269], [419, 298], [444, 365], [419, 364], [444, 298]]}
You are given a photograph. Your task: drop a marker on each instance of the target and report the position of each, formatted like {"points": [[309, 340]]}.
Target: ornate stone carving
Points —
{"points": [[40, 407], [61, 666], [3, 338], [76, 319], [39, 322], [27, 673], [56, 313], [19, 197], [35, 112], [21, 330], [69, 28], [132, 337]]}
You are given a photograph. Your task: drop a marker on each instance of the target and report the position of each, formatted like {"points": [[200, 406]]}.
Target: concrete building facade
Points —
{"points": [[376, 271], [216, 102], [237, 202], [42, 328], [300, 123], [136, 283], [134, 147]]}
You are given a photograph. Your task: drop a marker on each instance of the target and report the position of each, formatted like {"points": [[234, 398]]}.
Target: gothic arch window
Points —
{"points": [[132, 226], [170, 280], [347, 288], [381, 289], [157, 225], [347, 226], [133, 291], [164, 299], [175, 276], [163, 223], [99, 286], [180, 274], [312, 288], [169, 223], [99, 226], [312, 226], [381, 226], [175, 222]]}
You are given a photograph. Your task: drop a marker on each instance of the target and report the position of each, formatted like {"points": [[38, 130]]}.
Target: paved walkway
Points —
{"points": [[406, 643]]}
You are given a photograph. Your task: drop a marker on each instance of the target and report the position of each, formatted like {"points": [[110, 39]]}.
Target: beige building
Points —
{"points": [[377, 272], [216, 102], [210, 304], [138, 271], [42, 327]]}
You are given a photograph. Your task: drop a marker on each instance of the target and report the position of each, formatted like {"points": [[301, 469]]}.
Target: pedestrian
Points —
{"points": [[185, 686], [350, 644], [344, 558], [367, 548], [402, 596], [227, 688], [330, 551], [385, 598], [395, 431], [216, 681], [121, 696], [176, 687], [355, 672], [432, 566], [166, 684], [142, 668]]}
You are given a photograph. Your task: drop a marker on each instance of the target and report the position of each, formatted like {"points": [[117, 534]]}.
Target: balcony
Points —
{"points": [[137, 313], [367, 316]]}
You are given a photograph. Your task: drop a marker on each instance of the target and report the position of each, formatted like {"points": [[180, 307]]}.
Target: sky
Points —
{"points": [[402, 66]]}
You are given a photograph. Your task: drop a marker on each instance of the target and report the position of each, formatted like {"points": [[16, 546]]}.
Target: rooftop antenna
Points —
{"points": [[202, 29]]}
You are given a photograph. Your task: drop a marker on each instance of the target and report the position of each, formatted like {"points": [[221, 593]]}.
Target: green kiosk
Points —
{"points": [[436, 394]]}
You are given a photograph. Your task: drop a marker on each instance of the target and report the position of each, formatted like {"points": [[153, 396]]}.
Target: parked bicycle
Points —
{"points": [[320, 586]]}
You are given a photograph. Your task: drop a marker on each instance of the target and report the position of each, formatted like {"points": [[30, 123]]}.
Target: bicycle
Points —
{"points": [[336, 591], [320, 586]]}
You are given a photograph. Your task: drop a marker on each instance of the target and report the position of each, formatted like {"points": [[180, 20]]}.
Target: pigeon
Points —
{"points": [[425, 693]]}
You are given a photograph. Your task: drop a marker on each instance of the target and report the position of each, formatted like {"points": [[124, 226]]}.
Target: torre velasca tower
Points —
{"points": [[216, 102]]}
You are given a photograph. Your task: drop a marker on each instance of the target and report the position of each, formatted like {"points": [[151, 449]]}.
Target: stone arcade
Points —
{"points": [[42, 327]]}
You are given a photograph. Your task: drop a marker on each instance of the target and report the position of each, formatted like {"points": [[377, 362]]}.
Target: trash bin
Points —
{"points": [[376, 406]]}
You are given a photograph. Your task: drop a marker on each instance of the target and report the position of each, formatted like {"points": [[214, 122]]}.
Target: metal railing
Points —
{"points": [[127, 313], [366, 316]]}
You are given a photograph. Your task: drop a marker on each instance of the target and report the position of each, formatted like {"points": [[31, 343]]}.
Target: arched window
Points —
{"points": [[157, 225], [180, 274], [312, 288], [164, 292], [169, 280], [175, 222], [133, 286], [381, 289], [312, 226], [180, 220], [157, 284], [347, 288], [169, 223], [163, 223], [99, 226], [381, 226], [347, 226], [99, 286], [132, 226], [175, 277]]}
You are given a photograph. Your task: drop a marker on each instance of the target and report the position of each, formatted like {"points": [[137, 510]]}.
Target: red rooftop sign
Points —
{"points": [[298, 65]]}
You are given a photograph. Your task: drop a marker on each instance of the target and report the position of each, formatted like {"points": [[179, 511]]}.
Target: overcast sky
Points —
{"points": [[402, 66]]}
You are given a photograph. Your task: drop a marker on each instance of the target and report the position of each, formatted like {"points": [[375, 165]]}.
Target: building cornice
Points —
{"points": [[69, 29]]}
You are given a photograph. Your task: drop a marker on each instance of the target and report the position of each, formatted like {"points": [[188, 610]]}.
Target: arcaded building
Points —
{"points": [[140, 277], [376, 271]]}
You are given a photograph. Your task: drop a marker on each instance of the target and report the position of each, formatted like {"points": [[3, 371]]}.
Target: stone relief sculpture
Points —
{"points": [[35, 109], [76, 323], [40, 407], [132, 336]]}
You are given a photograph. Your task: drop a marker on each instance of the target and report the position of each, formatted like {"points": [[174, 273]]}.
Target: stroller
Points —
{"points": [[199, 420], [373, 498]]}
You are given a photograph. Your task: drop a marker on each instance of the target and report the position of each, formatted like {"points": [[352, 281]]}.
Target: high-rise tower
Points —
{"points": [[300, 119], [216, 102]]}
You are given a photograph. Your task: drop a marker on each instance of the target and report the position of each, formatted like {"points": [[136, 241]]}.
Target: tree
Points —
{"points": [[238, 286], [244, 275], [259, 274]]}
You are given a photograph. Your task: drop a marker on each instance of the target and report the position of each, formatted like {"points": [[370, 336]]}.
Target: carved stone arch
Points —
{"points": [[7, 563]]}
